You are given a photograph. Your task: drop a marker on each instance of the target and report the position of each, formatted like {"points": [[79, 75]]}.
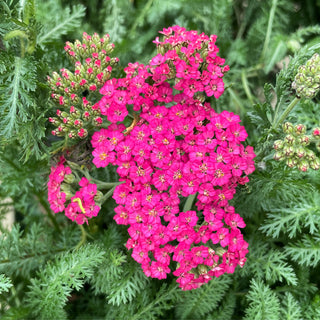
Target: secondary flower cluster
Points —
{"points": [[191, 59], [78, 207], [73, 92], [294, 147], [188, 64]]}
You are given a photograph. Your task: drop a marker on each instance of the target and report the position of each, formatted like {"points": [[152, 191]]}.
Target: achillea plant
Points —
{"points": [[133, 201]]}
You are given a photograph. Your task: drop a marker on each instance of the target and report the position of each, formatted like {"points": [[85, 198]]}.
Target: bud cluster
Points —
{"points": [[76, 93], [307, 80], [294, 147]]}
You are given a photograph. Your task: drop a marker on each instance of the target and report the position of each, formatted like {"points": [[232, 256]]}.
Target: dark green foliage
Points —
{"points": [[263, 303], [56, 281], [50, 269], [200, 303]]}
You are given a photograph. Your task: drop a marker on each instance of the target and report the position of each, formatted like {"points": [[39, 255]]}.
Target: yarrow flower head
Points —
{"points": [[179, 162]]}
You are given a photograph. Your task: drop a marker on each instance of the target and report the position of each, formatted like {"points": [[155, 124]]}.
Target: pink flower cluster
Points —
{"points": [[173, 153], [177, 151], [82, 205]]}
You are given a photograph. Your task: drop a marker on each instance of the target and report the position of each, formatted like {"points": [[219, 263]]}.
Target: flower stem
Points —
{"points": [[106, 185], [285, 113], [83, 237], [269, 29], [107, 195]]}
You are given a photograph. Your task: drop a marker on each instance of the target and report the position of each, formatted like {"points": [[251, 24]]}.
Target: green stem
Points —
{"points": [[246, 86], [188, 205], [276, 124], [269, 29], [83, 237], [106, 185], [50, 215], [236, 99], [140, 18], [107, 195]]}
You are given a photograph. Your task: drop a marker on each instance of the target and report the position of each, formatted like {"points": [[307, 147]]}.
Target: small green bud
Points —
{"points": [[202, 269], [300, 129], [293, 45], [310, 155], [288, 151], [98, 197], [287, 127], [220, 251], [291, 162], [69, 178], [278, 156], [303, 165], [300, 152], [67, 190], [289, 139], [315, 164], [278, 144], [304, 140]]}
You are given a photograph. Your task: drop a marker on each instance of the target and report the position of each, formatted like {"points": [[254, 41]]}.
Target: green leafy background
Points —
{"points": [[44, 274]]}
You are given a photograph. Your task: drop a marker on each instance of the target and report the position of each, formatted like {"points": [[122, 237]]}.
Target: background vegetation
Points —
{"points": [[43, 277]]}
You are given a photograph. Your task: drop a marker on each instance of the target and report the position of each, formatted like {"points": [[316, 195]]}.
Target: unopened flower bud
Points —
{"points": [[310, 155], [289, 139], [300, 129], [69, 178], [287, 127], [202, 269], [316, 132], [82, 133], [304, 140], [278, 144], [220, 251], [300, 152], [315, 164], [306, 80], [278, 156], [288, 151], [98, 197], [78, 123], [291, 162], [303, 165]]}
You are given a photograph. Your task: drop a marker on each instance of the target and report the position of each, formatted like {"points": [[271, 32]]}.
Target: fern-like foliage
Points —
{"points": [[269, 264], [291, 309], [62, 22], [49, 292], [17, 83], [150, 304], [22, 252], [226, 309], [306, 251], [5, 283], [270, 188], [199, 303], [154, 306], [263, 302], [303, 213], [114, 21]]}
